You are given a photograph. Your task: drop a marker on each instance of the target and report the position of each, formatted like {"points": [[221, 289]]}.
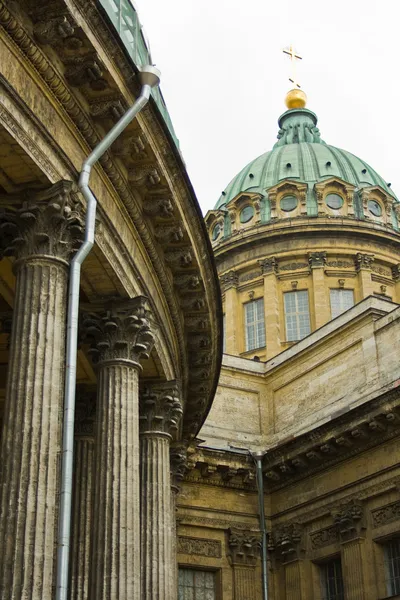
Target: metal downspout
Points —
{"points": [[260, 487], [149, 78]]}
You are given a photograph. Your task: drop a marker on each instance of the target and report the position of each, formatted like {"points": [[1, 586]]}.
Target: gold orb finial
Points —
{"points": [[295, 99]]}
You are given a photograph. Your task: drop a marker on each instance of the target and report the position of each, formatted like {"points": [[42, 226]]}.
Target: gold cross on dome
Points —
{"points": [[293, 57]]}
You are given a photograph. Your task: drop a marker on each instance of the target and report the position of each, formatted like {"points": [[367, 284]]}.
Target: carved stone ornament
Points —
{"points": [[244, 547], [229, 280], [180, 257], [144, 176], [363, 261], [49, 223], [132, 146], [396, 272], [120, 333], [324, 537], [169, 234], [386, 514], [268, 265], [287, 542], [199, 547], [160, 408], [349, 519], [53, 31], [179, 464], [159, 206], [317, 259], [107, 107], [85, 70]]}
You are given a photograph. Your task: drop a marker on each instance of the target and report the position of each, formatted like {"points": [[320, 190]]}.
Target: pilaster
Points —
{"points": [[41, 231], [120, 337], [363, 263], [350, 521], [288, 548], [160, 413], [269, 268], [322, 314], [82, 509], [229, 282], [244, 550]]}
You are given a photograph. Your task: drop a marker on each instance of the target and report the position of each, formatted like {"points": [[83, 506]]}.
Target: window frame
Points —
{"points": [[392, 585], [209, 569], [296, 314], [325, 593], [343, 309], [254, 324]]}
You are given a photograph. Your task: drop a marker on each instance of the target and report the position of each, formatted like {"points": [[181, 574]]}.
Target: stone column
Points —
{"points": [[322, 311], [363, 264], [82, 509], [119, 337], [350, 521], [160, 412], [244, 550], [41, 232], [229, 282], [269, 268]]}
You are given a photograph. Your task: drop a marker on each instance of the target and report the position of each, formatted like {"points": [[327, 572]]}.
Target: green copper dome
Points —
{"points": [[301, 155]]}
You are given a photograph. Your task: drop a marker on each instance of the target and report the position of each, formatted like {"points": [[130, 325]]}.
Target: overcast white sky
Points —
{"points": [[224, 78]]}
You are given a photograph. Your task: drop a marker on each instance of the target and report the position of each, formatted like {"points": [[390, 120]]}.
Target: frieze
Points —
{"points": [[381, 271], [324, 537], [249, 276], [340, 264], [293, 266], [386, 514], [199, 547]]}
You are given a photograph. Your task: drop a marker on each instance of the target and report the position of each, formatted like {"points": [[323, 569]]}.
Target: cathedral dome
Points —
{"points": [[300, 155]]}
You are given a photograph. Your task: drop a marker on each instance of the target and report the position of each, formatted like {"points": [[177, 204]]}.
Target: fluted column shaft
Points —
{"points": [[156, 517], [120, 336], [32, 430], [116, 552], [160, 410], [82, 509], [41, 233]]}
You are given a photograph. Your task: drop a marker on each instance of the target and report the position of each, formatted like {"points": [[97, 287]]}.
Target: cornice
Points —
{"points": [[196, 290]]}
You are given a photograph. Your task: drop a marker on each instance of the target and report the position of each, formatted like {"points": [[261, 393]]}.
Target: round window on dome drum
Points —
{"points": [[288, 203], [246, 214], [374, 208], [215, 232], [334, 201]]}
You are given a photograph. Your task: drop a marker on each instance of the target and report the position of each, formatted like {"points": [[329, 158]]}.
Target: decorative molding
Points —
{"points": [[363, 261], [120, 333], [386, 514], [160, 408], [286, 542], [339, 264], [45, 223], [199, 547], [295, 266], [228, 280], [317, 259], [268, 265], [244, 546], [350, 520], [324, 537]]}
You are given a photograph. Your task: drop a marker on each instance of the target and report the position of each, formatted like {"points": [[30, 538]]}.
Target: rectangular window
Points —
{"points": [[341, 300], [297, 315], [255, 324], [392, 566], [196, 585], [332, 580]]}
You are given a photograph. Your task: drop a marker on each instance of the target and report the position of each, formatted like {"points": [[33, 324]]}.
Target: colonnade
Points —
{"points": [[123, 510]]}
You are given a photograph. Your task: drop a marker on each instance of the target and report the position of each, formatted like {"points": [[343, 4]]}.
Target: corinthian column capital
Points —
{"points": [[160, 408], [48, 223], [121, 333]]}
